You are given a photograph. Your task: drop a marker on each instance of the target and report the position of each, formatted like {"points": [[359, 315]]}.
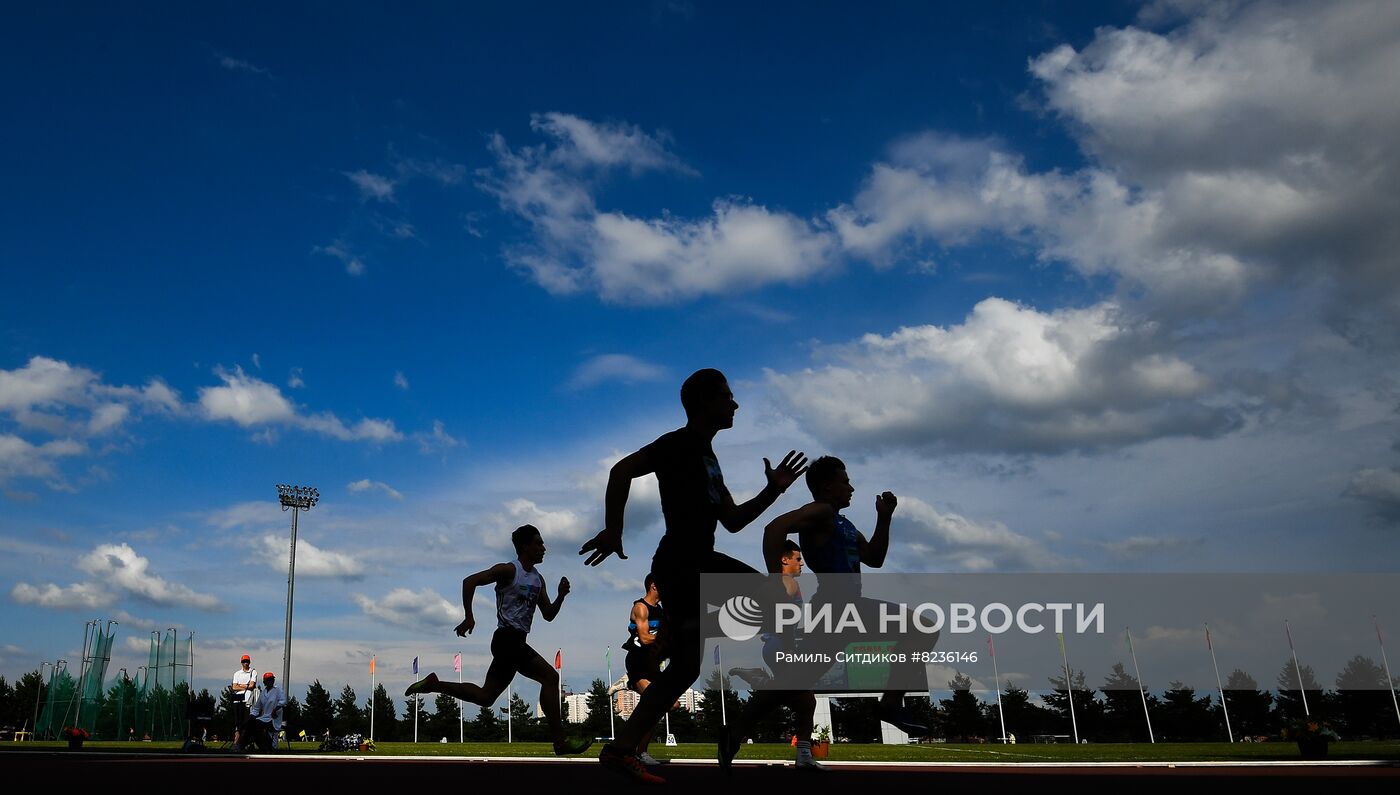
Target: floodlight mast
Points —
{"points": [[296, 499]]}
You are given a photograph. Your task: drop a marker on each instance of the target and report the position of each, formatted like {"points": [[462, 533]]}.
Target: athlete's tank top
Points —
{"points": [[656, 615], [515, 600]]}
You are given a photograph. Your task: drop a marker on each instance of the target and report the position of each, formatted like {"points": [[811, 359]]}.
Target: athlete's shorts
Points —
{"points": [[509, 653]]}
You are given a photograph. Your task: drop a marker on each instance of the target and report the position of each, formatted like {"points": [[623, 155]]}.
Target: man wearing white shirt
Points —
{"points": [[265, 718], [245, 691]]}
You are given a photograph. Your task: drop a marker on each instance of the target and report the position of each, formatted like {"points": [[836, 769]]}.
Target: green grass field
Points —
{"points": [[991, 754]]}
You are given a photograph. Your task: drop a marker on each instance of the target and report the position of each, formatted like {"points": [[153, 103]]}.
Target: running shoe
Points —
{"points": [[620, 760], [419, 686]]}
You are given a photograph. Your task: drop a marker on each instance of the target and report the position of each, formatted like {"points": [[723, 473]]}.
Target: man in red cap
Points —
{"points": [[264, 719], [245, 691]]}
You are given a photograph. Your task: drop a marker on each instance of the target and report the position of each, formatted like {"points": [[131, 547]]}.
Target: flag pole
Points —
{"points": [[992, 650], [371, 698], [1390, 685], [461, 713], [1141, 690], [417, 699], [510, 697], [1297, 669], [611, 726], [719, 661], [1069, 687], [1230, 733], [559, 666]]}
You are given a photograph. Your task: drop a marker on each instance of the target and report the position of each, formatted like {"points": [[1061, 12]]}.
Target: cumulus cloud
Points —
{"points": [[405, 608], [120, 566], [254, 403], [1266, 132], [79, 596], [555, 526], [312, 561], [614, 367], [49, 398], [1010, 379], [962, 544], [627, 259], [361, 486], [20, 459]]}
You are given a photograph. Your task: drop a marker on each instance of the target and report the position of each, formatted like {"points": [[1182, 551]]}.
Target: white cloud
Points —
{"points": [[1266, 132], [77, 596], [438, 441], [625, 259], [1009, 379], [252, 403], [19, 458], [361, 486], [244, 514], [240, 65], [372, 186], [555, 526], [400, 380], [610, 367], [341, 251], [312, 561], [1376, 485], [245, 400], [425, 609], [120, 566], [961, 544], [257, 361], [294, 379]]}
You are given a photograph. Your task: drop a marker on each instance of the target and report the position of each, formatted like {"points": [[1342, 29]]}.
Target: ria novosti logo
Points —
{"points": [[740, 618]]}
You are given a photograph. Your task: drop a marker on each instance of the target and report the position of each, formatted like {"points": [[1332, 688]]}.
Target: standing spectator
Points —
{"points": [[245, 691], [264, 719]]}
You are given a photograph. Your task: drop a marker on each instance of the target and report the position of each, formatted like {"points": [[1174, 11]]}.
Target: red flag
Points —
{"points": [[371, 665], [992, 650], [1289, 633], [1207, 636], [559, 660]]}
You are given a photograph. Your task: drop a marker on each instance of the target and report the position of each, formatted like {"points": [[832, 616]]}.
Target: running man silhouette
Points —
{"points": [[646, 651], [694, 500], [832, 545], [519, 590]]}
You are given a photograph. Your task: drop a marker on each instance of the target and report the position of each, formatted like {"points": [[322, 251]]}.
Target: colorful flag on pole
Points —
{"points": [[1061, 636], [991, 649], [1208, 646], [371, 665], [1289, 633], [609, 656], [457, 662], [559, 660], [716, 654], [415, 666], [1129, 634]]}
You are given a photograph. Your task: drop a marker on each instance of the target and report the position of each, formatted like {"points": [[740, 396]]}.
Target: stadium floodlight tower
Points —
{"points": [[296, 499]]}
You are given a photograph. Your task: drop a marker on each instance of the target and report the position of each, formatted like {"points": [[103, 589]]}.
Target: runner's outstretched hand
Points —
{"points": [[606, 543], [787, 473]]}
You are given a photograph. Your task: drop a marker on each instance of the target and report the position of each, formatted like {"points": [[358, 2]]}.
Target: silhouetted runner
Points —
{"points": [[519, 590], [802, 702], [694, 500], [832, 545], [646, 651]]}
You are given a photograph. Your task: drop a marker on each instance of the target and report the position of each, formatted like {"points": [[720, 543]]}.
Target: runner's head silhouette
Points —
{"points": [[829, 483], [528, 544], [708, 401]]}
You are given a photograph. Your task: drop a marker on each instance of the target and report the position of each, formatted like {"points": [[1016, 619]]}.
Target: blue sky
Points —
{"points": [[1099, 288]]}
